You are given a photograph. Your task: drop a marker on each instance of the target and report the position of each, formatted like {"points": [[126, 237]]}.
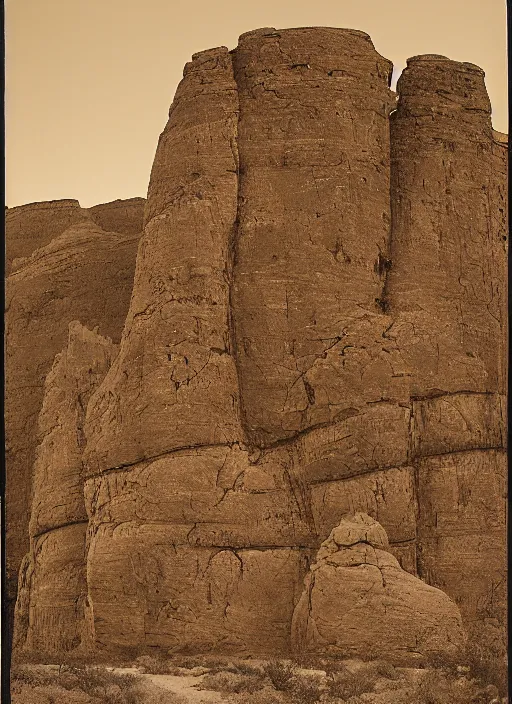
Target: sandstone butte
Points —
{"points": [[314, 325]]}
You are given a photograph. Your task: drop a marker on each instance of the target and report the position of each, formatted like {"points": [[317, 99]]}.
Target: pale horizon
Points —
{"points": [[88, 86]]}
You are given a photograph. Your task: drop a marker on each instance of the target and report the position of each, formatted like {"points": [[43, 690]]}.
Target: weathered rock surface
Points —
{"points": [[317, 326], [313, 227], [356, 598], [32, 226], [70, 270], [446, 284], [174, 383], [462, 531], [180, 597], [53, 582]]}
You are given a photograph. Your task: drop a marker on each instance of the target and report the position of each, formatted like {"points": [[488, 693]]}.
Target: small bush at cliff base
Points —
{"points": [[489, 667], [264, 696], [305, 689], [155, 665], [96, 680], [346, 684], [438, 687], [280, 673], [231, 682], [88, 685], [311, 661]]}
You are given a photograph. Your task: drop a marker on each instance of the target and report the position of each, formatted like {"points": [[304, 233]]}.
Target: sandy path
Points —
{"points": [[183, 685]]}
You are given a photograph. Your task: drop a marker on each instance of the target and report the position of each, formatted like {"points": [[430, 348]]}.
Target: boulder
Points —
{"points": [[357, 599]]}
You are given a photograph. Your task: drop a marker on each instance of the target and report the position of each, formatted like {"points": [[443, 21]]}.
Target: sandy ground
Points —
{"points": [[182, 685]]}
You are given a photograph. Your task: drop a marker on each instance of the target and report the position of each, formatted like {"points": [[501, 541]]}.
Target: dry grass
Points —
{"points": [[440, 687], [483, 679], [306, 689], [280, 673], [232, 683], [264, 696], [348, 684], [67, 684]]}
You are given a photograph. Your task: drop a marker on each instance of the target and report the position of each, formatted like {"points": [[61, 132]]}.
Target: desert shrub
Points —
{"points": [[231, 682], [310, 661], [448, 664], [440, 687], [264, 696], [488, 666], [96, 680], [383, 668], [83, 684], [331, 666], [89, 687], [305, 689], [23, 693], [154, 665], [346, 684], [74, 658], [150, 694], [31, 657], [280, 673], [33, 675], [245, 668]]}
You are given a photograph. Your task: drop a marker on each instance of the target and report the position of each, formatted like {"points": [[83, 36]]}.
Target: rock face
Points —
{"points": [[64, 267], [51, 611], [357, 599], [317, 327]]}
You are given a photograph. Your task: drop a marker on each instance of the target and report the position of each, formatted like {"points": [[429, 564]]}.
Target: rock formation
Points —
{"points": [[53, 594], [358, 600], [63, 266], [317, 327]]}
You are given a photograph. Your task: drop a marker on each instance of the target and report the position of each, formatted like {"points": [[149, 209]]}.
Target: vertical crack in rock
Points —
{"points": [[233, 255], [313, 227]]}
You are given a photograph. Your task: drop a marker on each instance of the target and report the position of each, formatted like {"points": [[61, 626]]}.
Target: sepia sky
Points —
{"points": [[89, 82]]}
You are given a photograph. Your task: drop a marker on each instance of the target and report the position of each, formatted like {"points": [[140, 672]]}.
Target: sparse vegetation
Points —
{"points": [[345, 684], [264, 696], [442, 687], [150, 664], [305, 689], [232, 683], [477, 677], [83, 685], [280, 673], [488, 665]]}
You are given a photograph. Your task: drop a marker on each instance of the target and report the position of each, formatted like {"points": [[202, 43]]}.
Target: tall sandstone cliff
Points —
{"points": [[317, 327], [64, 263]]}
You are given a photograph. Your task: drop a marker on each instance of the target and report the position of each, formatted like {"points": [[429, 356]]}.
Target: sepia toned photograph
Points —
{"points": [[256, 352]]}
